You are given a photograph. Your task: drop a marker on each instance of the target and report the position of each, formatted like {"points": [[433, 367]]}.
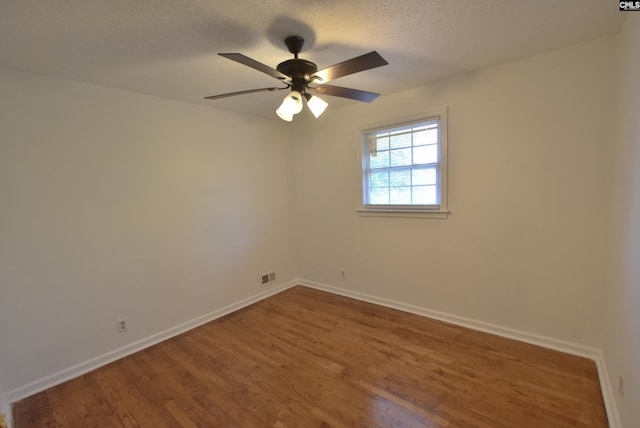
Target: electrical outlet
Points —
{"points": [[122, 325], [342, 274], [265, 279], [621, 386]]}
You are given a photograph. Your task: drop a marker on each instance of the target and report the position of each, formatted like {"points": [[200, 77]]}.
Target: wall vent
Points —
{"points": [[267, 278]]}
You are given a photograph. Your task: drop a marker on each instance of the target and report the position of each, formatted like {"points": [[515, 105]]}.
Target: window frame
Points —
{"points": [[439, 211]]}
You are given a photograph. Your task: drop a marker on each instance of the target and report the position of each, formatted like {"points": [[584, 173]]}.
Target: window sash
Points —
{"points": [[372, 150]]}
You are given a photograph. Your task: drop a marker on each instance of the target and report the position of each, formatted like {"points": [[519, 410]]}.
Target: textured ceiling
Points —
{"points": [[168, 48]]}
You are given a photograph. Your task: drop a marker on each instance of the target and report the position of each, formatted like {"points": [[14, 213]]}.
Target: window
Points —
{"points": [[405, 168]]}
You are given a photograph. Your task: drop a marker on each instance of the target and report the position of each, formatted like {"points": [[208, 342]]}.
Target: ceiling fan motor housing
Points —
{"points": [[299, 70]]}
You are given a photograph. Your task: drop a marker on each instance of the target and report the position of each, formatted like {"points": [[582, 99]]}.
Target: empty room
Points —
{"points": [[359, 213]]}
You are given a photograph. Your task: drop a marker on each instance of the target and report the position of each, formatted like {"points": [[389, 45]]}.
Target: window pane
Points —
{"points": [[379, 161], [379, 179], [400, 195], [382, 143], [400, 178], [379, 196], [401, 157], [425, 154], [420, 136], [430, 136], [424, 195], [400, 141], [423, 176]]}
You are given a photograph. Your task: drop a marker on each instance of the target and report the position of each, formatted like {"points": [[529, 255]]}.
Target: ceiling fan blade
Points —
{"points": [[354, 94], [250, 91], [350, 66], [245, 60]]}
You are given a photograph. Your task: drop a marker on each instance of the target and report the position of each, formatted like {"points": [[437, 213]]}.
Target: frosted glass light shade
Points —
{"points": [[296, 101], [284, 114], [317, 106], [292, 104]]}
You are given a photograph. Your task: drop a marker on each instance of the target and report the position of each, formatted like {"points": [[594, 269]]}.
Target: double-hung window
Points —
{"points": [[405, 168]]}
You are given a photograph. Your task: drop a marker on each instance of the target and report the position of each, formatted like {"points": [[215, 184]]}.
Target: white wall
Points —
{"points": [[117, 204], [522, 249], [622, 293]]}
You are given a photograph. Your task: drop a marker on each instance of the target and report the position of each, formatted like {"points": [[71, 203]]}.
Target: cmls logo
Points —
{"points": [[630, 5]]}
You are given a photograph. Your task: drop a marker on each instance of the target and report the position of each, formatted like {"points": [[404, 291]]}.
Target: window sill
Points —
{"points": [[400, 213]]}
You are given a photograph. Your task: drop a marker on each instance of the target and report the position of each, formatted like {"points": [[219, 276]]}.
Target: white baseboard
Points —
{"points": [[559, 345], [94, 363], [608, 392]]}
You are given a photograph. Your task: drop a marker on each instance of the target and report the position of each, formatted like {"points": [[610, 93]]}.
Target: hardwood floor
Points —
{"points": [[305, 358]]}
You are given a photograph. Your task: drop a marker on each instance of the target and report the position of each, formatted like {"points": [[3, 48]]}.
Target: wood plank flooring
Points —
{"points": [[306, 358]]}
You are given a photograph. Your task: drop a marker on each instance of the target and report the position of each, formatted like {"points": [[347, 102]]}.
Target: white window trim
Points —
{"points": [[438, 212], [395, 212]]}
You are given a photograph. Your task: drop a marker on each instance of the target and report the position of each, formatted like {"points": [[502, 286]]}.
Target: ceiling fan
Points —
{"points": [[304, 79]]}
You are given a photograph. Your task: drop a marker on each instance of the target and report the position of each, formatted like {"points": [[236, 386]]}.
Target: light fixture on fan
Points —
{"points": [[292, 104]]}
